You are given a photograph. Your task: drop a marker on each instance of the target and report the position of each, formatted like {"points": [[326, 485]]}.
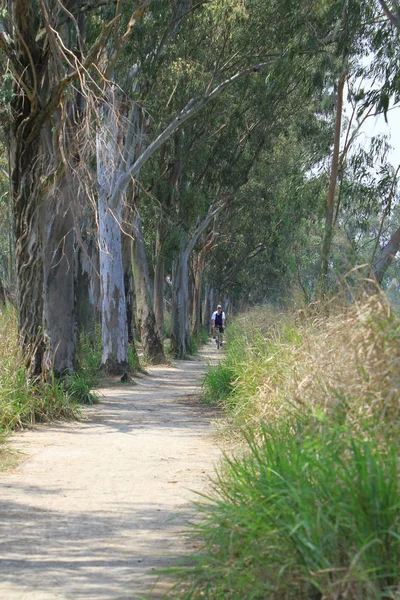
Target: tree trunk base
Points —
{"points": [[111, 367], [159, 359]]}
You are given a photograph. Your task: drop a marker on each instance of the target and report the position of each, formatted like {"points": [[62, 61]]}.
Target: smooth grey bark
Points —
{"points": [[113, 301], [386, 256], [114, 325], [151, 340]]}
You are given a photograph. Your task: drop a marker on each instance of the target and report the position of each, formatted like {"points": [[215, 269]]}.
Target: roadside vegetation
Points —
{"points": [[308, 505], [25, 399]]}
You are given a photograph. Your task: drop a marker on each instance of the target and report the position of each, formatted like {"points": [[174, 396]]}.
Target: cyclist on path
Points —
{"points": [[218, 320]]}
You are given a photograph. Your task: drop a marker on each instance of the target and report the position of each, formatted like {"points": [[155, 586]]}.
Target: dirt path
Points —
{"points": [[98, 506]]}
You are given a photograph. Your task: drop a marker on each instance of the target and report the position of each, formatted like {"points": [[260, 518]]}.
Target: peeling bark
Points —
{"points": [[25, 171], [59, 283], [151, 340], [113, 303]]}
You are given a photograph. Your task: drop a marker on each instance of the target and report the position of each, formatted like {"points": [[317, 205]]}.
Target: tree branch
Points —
{"points": [[120, 42], [65, 82], [191, 108]]}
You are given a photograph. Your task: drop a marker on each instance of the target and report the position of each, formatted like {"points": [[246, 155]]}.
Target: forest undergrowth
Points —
{"points": [[25, 400], [307, 507]]}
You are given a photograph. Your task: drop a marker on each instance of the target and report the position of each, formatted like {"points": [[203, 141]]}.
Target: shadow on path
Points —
{"points": [[100, 505]]}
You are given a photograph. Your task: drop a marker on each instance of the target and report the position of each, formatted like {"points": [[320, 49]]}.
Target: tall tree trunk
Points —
{"points": [[2, 295], [196, 319], [85, 296], [159, 275], [58, 277], [386, 256], [113, 301], [327, 241], [190, 294], [129, 286], [206, 307], [180, 335], [201, 259], [25, 171], [151, 340]]}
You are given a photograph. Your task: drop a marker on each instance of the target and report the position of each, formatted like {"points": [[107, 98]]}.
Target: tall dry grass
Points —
{"points": [[345, 365]]}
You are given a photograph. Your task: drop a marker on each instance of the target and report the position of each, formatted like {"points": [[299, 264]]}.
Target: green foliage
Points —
{"points": [[303, 515], [133, 358], [23, 399], [79, 388], [89, 358], [198, 340]]}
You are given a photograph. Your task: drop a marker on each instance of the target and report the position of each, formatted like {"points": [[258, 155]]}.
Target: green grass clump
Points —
{"points": [[80, 389], [88, 369], [198, 340], [25, 400], [218, 383], [88, 364], [303, 515]]}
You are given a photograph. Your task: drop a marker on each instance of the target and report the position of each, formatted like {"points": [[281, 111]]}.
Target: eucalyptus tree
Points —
{"points": [[42, 47]]}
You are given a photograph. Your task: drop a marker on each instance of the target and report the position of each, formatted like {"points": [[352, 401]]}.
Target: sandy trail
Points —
{"points": [[98, 506]]}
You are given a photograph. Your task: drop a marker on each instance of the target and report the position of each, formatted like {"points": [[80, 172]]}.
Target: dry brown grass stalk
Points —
{"points": [[345, 366]]}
